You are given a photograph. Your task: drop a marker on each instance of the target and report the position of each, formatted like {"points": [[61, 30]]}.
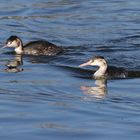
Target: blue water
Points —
{"points": [[51, 98]]}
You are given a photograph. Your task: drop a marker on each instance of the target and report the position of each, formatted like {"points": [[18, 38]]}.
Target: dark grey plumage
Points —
{"points": [[42, 47]]}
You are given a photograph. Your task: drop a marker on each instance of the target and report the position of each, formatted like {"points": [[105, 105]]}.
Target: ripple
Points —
{"points": [[53, 98]]}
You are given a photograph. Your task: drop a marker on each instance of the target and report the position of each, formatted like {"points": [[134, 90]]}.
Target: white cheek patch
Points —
{"points": [[11, 44]]}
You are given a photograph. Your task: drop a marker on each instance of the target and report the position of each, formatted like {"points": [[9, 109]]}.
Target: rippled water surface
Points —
{"points": [[50, 97]]}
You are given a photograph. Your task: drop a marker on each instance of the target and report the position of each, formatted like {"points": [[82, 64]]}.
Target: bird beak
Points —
{"points": [[5, 46], [86, 64]]}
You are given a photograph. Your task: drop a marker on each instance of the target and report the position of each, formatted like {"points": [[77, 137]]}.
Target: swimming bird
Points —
{"points": [[39, 47], [105, 71]]}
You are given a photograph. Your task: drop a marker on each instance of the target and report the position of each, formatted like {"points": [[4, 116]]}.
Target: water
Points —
{"points": [[52, 98]]}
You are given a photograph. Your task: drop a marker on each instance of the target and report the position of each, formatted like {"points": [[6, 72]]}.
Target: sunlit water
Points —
{"points": [[51, 98]]}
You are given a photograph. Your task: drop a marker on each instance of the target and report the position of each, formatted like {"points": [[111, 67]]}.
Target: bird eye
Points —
{"points": [[9, 42]]}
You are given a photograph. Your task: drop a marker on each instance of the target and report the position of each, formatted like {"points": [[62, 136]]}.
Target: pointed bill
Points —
{"points": [[5, 46], [86, 63]]}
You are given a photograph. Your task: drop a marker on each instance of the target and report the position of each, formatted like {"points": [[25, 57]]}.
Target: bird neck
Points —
{"points": [[19, 48], [101, 72]]}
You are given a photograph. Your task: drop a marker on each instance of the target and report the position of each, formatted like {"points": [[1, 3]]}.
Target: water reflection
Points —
{"points": [[99, 90], [15, 64]]}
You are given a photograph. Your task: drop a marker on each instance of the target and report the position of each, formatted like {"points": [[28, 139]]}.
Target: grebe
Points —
{"points": [[104, 71], [40, 47]]}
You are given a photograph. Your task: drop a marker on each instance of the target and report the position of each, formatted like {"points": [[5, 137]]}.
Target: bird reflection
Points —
{"points": [[14, 65], [98, 91]]}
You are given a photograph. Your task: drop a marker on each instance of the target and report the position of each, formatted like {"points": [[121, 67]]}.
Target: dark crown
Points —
{"points": [[12, 38], [97, 57]]}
